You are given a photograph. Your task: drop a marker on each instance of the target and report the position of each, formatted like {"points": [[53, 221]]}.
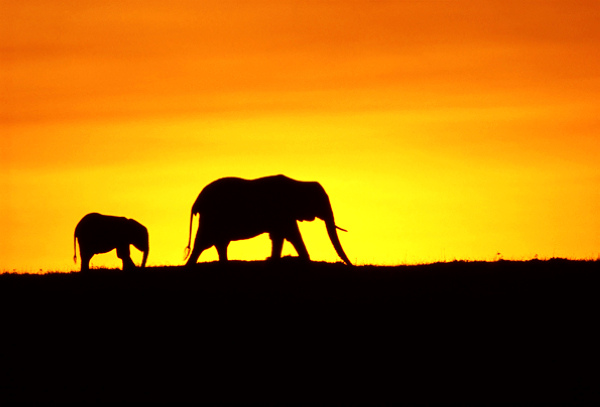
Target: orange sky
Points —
{"points": [[441, 129]]}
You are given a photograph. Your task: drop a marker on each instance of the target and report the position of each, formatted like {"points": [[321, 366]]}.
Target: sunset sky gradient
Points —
{"points": [[441, 130]]}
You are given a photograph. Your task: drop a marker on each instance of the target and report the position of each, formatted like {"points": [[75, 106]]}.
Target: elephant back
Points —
{"points": [[101, 228], [221, 195]]}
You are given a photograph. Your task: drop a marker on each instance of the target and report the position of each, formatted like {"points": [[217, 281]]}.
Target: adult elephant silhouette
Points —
{"points": [[236, 209], [101, 233]]}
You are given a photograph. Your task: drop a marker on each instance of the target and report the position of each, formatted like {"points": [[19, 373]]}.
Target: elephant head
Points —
{"points": [[310, 201], [138, 237]]}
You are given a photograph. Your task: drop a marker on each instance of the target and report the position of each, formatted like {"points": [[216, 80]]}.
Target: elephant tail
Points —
{"points": [[75, 248], [187, 249]]}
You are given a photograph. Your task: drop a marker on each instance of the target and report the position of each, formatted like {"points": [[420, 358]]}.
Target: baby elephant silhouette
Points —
{"points": [[98, 233]]}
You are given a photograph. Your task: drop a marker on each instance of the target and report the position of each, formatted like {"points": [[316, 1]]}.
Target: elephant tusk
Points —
{"points": [[343, 230]]}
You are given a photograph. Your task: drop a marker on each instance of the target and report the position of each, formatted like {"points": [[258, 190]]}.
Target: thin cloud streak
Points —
{"points": [[85, 59]]}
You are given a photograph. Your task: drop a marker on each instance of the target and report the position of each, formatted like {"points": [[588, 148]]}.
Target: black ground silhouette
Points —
{"points": [[291, 331]]}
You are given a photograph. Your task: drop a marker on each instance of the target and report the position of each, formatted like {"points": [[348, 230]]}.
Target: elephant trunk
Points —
{"points": [[144, 258], [187, 249], [335, 240]]}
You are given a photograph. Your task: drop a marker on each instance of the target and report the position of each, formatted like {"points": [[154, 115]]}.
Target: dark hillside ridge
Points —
{"points": [[291, 331]]}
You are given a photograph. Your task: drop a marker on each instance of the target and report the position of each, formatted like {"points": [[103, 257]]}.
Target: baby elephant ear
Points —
{"points": [[135, 224]]}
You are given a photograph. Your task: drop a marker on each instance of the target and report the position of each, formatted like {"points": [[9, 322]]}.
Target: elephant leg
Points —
{"points": [[85, 261], [124, 254], [295, 238], [277, 246], [199, 246], [222, 251], [128, 264]]}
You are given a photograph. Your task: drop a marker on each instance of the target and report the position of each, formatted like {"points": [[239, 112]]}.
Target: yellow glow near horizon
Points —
{"points": [[439, 131], [403, 200]]}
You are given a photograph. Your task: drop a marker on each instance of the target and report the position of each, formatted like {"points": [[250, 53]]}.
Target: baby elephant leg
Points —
{"points": [[277, 245]]}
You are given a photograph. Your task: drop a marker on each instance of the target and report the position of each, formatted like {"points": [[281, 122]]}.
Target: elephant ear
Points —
{"points": [[137, 233], [306, 201], [135, 225], [132, 227], [320, 204]]}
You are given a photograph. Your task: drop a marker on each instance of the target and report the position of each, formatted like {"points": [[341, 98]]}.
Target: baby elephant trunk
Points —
{"points": [[144, 258], [142, 244], [335, 240]]}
